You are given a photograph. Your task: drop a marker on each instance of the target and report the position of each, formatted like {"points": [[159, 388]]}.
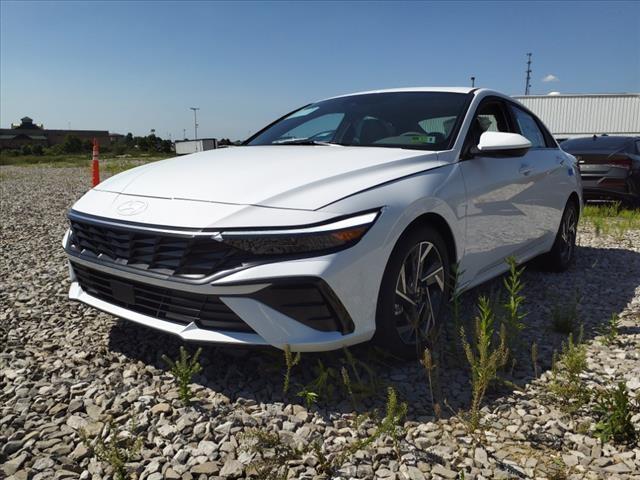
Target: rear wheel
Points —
{"points": [[413, 293], [563, 251]]}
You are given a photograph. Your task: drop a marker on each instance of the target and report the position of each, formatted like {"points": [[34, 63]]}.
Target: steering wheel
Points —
{"points": [[407, 134]]}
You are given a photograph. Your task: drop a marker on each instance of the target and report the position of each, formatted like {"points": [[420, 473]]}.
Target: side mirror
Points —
{"points": [[503, 144]]}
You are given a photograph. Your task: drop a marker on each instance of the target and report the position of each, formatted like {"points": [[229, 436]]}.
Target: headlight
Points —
{"points": [[323, 238]]}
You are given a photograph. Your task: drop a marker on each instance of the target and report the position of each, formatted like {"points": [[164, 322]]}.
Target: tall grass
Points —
{"points": [[611, 218]]}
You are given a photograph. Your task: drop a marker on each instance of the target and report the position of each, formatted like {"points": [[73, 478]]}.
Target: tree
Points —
{"points": [[71, 144]]}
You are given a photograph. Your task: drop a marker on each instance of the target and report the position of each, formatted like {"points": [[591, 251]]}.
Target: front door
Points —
{"points": [[497, 194]]}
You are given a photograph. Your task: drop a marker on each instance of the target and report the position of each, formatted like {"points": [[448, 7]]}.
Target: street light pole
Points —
{"points": [[195, 120]]}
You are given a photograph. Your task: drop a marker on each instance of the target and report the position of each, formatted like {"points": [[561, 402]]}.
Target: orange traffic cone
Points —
{"points": [[95, 164]]}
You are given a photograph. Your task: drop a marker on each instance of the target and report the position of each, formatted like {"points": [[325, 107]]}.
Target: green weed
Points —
{"points": [[290, 361], [117, 451], [430, 369], [534, 358], [610, 331], [514, 314], [566, 385], [273, 455], [564, 316], [183, 371], [484, 356], [615, 409], [310, 397]]}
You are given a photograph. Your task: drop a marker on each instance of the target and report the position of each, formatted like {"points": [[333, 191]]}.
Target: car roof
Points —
{"points": [[464, 90], [409, 89], [598, 142]]}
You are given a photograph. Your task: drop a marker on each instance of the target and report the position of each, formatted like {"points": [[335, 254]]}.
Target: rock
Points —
{"points": [[232, 469], [76, 422], [618, 468], [20, 475], [93, 429], [93, 410], [11, 447], [65, 474], [413, 473], [444, 472], [209, 468], [171, 474], [480, 456], [42, 463], [159, 408], [12, 466], [79, 453], [205, 448]]}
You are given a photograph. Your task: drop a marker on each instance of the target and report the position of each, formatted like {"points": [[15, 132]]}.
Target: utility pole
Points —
{"points": [[527, 85], [473, 82], [195, 120], [184, 133]]}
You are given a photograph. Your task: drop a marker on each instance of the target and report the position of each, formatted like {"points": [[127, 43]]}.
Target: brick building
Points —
{"points": [[29, 133]]}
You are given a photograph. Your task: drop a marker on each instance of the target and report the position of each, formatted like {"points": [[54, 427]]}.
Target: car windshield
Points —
{"points": [[419, 120]]}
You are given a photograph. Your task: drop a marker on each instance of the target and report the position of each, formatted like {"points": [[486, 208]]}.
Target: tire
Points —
{"points": [[562, 254], [399, 302]]}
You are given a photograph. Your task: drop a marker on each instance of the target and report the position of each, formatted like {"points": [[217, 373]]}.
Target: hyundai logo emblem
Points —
{"points": [[132, 207]]}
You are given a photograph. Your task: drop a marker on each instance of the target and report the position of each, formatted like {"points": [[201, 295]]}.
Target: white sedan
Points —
{"points": [[338, 223]]}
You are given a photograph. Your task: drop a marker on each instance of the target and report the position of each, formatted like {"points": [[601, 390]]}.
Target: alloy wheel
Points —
{"points": [[568, 234], [420, 288]]}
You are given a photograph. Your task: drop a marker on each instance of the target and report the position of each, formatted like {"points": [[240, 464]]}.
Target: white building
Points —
{"points": [[585, 115], [185, 147]]}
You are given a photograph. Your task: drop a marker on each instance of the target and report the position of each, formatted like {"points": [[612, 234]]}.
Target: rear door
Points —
{"points": [[497, 195], [547, 173]]}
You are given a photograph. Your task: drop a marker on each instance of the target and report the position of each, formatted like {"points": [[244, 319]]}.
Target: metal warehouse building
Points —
{"points": [[584, 115]]}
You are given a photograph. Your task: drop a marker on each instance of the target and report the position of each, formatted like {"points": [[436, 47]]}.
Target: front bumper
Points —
{"points": [[249, 313], [352, 276]]}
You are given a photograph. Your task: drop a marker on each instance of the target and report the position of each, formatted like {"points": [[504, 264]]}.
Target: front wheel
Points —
{"points": [[413, 293], [563, 251]]}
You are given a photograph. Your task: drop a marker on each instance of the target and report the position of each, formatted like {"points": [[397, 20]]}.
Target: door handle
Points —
{"points": [[525, 169], [560, 160]]}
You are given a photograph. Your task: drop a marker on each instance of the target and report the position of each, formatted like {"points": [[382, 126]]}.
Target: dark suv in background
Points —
{"points": [[609, 166]]}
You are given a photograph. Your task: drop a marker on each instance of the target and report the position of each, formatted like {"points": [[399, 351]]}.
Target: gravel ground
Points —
{"points": [[67, 369]]}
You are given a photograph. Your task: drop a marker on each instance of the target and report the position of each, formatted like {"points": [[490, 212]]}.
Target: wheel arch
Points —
{"points": [[576, 200], [442, 227]]}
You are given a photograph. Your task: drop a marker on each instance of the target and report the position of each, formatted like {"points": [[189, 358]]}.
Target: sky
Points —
{"points": [[137, 66]]}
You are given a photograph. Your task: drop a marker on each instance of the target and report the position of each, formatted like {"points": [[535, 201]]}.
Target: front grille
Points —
{"points": [[190, 257], [159, 302]]}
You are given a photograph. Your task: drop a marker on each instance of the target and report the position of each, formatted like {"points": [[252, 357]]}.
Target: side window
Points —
{"points": [[638, 147], [490, 117], [529, 128]]}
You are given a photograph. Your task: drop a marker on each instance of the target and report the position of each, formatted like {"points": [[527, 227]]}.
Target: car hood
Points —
{"points": [[298, 177]]}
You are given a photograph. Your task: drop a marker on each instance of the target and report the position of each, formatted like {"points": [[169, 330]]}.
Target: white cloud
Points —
{"points": [[550, 78]]}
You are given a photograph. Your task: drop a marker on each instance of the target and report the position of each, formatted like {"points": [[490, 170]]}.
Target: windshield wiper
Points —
{"points": [[302, 141]]}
